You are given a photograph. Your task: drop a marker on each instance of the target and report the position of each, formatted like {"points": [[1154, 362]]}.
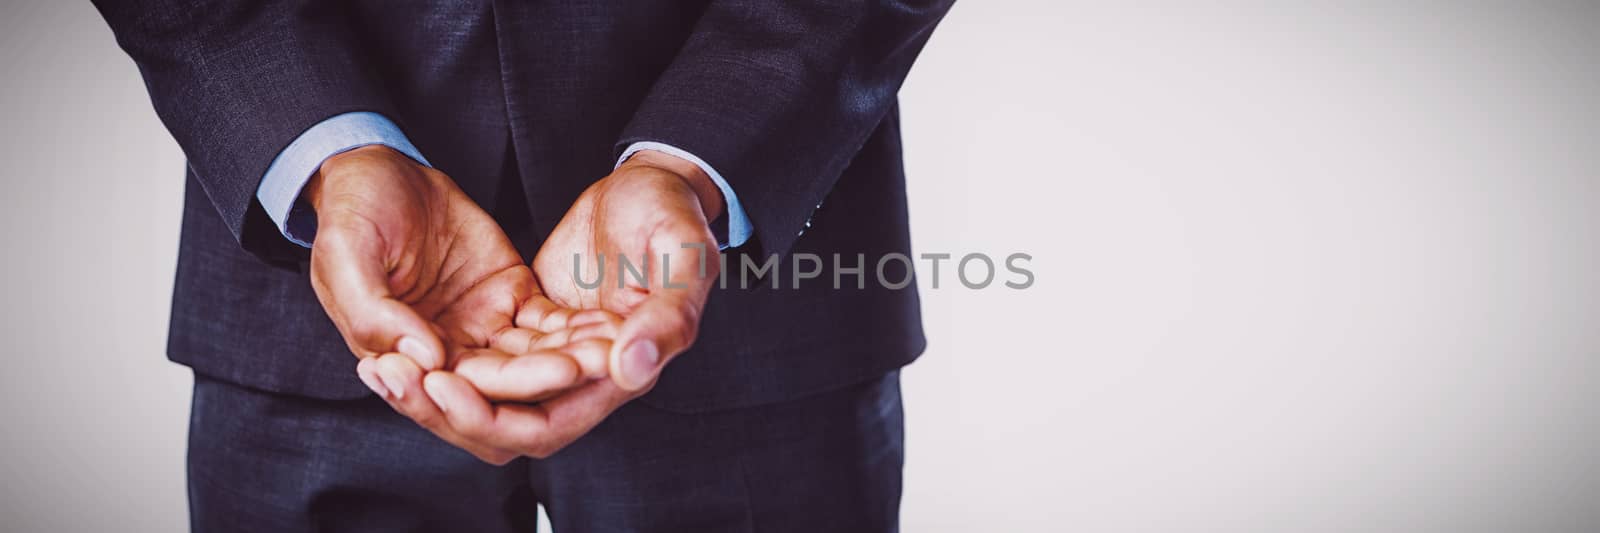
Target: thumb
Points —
{"points": [[661, 327], [384, 325], [666, 322], [348, 276]]}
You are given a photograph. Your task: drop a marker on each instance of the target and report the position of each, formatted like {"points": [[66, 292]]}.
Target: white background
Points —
{"points": [[1298, 269]]}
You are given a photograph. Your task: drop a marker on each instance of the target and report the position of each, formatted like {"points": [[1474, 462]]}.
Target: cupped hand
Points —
{"points": [[418, 278]]}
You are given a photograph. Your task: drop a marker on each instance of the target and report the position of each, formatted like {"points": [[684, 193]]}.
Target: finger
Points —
{"points": [[398, 373], [534, 430], [607, 329], [464, 409], [592, 316], [592, 356], [403, 379], [506, 426], [514, 340], [574, 341], [498, 376], [575, 413], [367, 370], [349, 276], [541, 314]]}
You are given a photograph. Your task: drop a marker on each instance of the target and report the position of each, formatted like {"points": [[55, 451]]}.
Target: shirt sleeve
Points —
{"points": [[280, 187], [739, 226]]}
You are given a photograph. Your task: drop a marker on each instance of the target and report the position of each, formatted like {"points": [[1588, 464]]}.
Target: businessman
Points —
{"points": [[369, 177]]}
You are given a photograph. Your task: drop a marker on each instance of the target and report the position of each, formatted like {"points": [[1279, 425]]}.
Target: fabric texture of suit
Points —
{"points": [[793, 102], [828, 463]]}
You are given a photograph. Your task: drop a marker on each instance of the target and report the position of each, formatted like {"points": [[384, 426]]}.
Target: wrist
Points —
{"points": [[353, 163], [711, 202]]}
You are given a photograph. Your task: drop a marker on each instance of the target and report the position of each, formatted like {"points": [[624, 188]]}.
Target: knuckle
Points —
{"points": [[364, 327], [331, 235], [357, 350], [426, 418], [689, 323], [472, 431]]}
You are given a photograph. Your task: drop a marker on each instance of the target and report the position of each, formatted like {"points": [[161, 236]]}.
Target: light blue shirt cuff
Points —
{"points": [[739, 227], [287, 175]]}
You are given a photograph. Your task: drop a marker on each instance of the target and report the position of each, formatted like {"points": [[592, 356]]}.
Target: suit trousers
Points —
{"points": [[262, 461]]}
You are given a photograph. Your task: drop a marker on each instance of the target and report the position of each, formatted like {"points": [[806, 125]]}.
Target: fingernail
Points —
{"points": [[639, 362], [434, 394], [417, 351], [371, 381], [392, 381]]}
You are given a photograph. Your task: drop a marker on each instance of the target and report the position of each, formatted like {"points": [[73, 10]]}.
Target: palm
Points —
{"points": [[516, 344], [408, 235], [642, 216]]}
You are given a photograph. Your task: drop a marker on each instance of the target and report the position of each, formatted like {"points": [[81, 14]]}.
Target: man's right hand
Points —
{"points": [[418, 278]]}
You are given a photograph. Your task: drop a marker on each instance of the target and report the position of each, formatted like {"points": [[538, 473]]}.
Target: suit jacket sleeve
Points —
{"points": [[235, 82], [779, 96]]}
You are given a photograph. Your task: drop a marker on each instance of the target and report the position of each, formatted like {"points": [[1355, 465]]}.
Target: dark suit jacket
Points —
{"points": [[525, 104]]}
